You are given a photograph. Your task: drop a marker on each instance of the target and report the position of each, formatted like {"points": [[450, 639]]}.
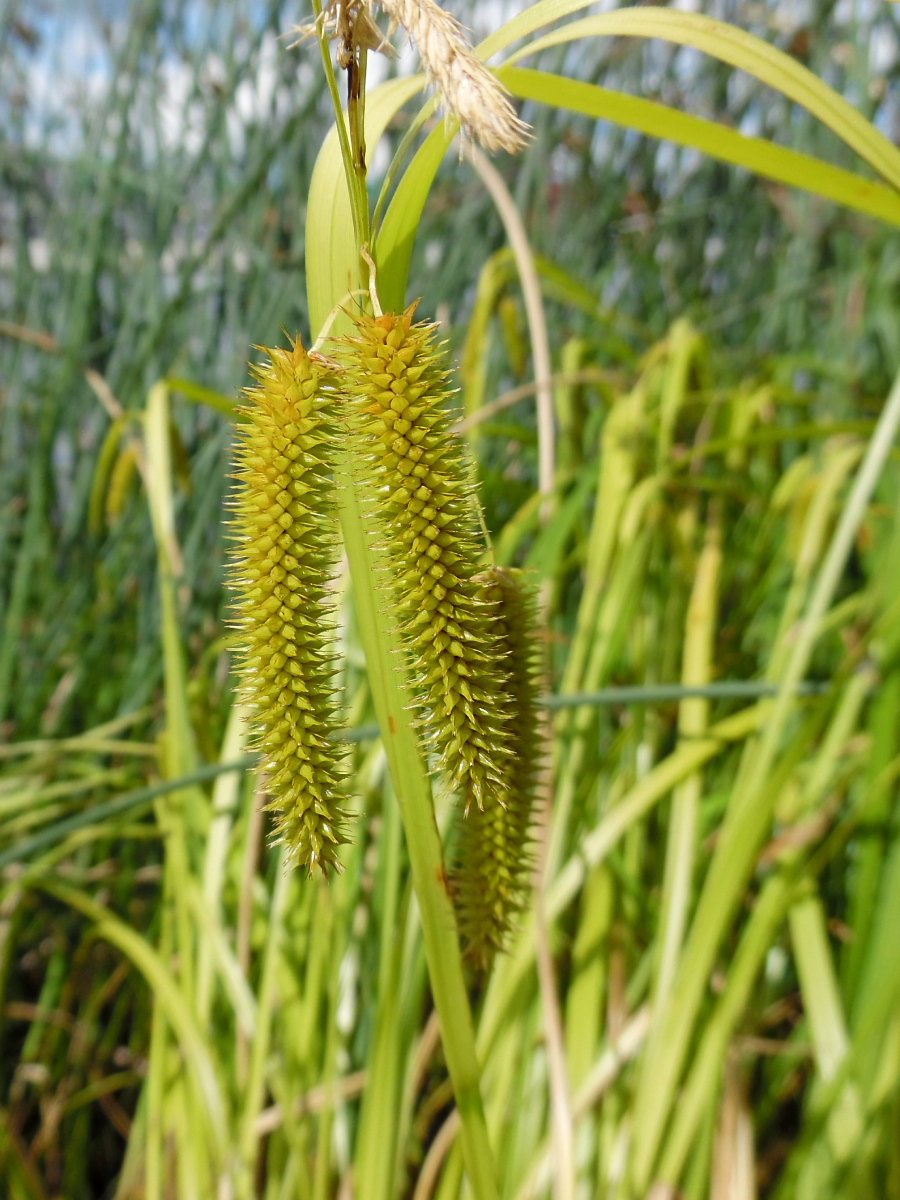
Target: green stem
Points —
{"points": [[359, 205], [255, 1090], [392, 699], [156, 1089], [356, 114]]}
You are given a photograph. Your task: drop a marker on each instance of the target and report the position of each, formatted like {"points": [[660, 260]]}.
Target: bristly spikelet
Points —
{"points": [[490, 880], [283, 556], [467, 89], [396, 378]]}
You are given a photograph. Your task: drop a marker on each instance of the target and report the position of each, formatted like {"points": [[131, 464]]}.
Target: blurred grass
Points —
{"points": [[704, 397]]}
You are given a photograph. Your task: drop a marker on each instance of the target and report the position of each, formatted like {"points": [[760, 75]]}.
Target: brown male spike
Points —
{"points": [[493, 864], [284, 552], [396, 379]]}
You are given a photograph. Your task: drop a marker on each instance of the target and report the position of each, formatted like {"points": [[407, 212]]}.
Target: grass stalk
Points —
{"points": [[692, 722], [254, 1091], [376, 1140], [747, 822], [392, 700], [537, 322]]}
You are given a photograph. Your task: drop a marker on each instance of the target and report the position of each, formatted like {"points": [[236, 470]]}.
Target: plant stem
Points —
{"points": [[537, 323], [392, 701], [356, 113]]}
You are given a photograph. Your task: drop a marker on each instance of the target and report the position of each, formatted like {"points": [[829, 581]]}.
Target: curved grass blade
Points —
{"points": [[755, 154], [167, 993], [748, 53], [331, 258]]}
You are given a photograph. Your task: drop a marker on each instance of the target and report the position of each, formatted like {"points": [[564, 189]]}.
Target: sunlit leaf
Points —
{"points": [[331, 266], [731, 45], [755, 154]]}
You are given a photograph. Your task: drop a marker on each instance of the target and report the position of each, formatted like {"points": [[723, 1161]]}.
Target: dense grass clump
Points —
{"points": [[703, 998]]}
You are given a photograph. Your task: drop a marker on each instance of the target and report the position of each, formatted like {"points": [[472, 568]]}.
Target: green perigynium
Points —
{"points": [[395, 377], [493, 864], [284, 550]]}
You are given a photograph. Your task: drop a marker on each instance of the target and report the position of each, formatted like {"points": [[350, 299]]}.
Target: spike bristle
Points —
{"points": [[283, 555], [396, 379], [491, 878]]}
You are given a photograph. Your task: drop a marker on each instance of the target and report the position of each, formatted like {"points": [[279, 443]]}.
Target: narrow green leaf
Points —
{"points": [[755, 154], [398, 232], [818, 984], [198, 394], [166, 993], [731, 45], [331, 266]]}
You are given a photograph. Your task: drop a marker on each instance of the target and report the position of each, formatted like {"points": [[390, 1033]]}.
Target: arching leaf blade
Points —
{"points": [[398, 231], [748, 53], [754, 154]]}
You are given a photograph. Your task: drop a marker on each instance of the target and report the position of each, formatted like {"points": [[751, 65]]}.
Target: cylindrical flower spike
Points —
{"points": [[493, 860], [283, 555], [396, 378]]}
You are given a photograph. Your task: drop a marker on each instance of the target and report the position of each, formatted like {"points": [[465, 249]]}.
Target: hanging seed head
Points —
{"points": [[468, 90], [396, 380], [490, 881], [282, 558]]}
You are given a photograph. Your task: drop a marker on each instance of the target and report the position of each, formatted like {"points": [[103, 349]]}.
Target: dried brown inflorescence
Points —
{"points": [[467, 89]]}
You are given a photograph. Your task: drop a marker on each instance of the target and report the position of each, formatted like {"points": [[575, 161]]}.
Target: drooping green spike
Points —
{"points": [[493, 866], [283, 554], [419, 493]]}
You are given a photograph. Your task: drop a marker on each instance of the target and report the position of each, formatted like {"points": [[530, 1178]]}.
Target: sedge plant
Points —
{"points": [[263, 980], [382, 254]]}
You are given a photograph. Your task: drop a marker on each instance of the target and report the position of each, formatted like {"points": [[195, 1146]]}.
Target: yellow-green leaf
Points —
{"points": [[732, 45], [755, 154], [398, 230], [198, 394], [331, 264]]}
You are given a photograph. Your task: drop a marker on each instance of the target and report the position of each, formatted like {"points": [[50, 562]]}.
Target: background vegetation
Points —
{"points": [[726, 346]]}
